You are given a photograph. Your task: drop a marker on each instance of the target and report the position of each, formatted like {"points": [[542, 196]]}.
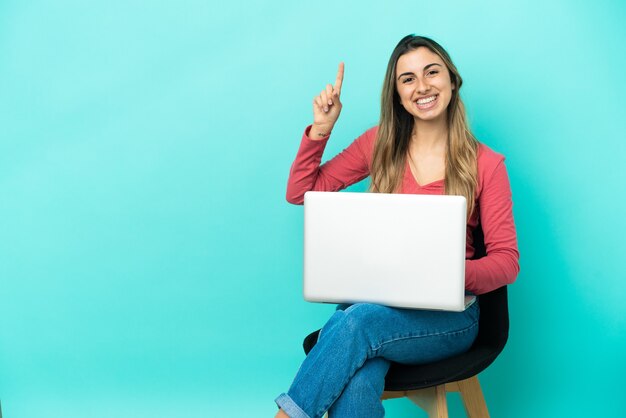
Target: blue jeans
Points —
{"points": [[344, 373]]}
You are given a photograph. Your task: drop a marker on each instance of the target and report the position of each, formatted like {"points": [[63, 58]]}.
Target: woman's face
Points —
{"points": [[423, 84]]}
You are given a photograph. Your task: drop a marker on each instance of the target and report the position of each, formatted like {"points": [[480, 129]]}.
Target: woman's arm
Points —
{"points": [[501, 264], [348, 167]]}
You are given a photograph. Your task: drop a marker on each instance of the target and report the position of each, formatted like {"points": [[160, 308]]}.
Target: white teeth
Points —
{"points": [[426, 100]]}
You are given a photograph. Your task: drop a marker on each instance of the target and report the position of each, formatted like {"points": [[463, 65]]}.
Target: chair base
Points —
{"points": [[433, 399]]}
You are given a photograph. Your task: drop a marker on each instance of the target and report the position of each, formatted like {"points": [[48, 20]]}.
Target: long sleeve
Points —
{"points": [[501, 264], [346, 168]]}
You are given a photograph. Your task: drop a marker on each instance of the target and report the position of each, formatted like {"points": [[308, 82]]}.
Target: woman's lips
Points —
{"points": [[429, 102]]}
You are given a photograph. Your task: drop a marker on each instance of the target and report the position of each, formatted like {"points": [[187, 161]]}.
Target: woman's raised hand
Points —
{"points": [[326, 108]]}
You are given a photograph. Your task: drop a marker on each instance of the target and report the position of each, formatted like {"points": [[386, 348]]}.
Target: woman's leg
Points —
{"points": [[361, 397], [365, 331]]}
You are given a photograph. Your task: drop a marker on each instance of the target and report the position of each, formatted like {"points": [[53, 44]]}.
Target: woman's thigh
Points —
{"points": [[413, 336]]}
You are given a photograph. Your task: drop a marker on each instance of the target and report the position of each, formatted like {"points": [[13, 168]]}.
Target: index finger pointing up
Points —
{"points": [[339, 79]]}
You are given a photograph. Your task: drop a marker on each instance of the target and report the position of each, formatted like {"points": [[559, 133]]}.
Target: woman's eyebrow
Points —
{"points": [[430, 65], [425, 68], [403, 74]]}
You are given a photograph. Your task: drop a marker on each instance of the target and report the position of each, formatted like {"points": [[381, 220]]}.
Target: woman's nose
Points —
{"points": [[422, 86]]}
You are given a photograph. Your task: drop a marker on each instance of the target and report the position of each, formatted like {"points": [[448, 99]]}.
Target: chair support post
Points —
{"points": [[432, 400], [473, 398]]}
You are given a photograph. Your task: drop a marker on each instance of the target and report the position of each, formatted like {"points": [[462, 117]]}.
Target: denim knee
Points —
{"points": [[361, 315], [350, 328]]}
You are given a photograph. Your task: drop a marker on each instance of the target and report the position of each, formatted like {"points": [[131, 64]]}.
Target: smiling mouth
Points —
{"points": [[426, 102]]}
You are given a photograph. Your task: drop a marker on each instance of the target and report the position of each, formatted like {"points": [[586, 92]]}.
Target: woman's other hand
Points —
{"points": [[327, 107]]}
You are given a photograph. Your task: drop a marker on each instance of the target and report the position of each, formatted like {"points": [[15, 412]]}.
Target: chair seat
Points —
{"points": [[401, 377], [464, 366]]}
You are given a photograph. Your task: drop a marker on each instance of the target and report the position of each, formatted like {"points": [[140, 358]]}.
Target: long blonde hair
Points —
{"points": [[396, 126]]}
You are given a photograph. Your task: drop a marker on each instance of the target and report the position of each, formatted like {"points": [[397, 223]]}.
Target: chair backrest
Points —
{"points": [[494, 309], [494, 319]]}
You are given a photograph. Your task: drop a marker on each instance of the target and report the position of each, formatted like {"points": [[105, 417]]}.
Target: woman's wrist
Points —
{"points": [[318, 132]]}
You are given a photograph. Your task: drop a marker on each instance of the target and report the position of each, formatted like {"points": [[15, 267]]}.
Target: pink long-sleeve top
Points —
{"points": [[493, 209]]}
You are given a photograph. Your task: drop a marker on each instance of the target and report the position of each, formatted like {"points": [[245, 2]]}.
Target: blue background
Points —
{"points": [[149, 263]]}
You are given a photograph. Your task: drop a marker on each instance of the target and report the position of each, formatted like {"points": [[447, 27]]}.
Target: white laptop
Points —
{"points": [[401, 250]]}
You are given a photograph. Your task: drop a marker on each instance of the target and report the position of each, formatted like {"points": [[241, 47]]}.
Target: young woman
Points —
{"points": [[422, 144]]}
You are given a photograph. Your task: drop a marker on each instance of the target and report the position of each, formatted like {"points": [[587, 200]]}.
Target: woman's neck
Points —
{"points": [[429, 136]]}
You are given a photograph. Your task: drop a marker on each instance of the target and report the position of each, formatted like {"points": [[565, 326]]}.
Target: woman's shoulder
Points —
{"points": [[489, 163], [488, 159], [366, 140], [369, 135]]}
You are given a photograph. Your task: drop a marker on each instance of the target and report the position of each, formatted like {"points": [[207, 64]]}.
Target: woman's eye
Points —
{"points": [[407, 80], [433, 72]]}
